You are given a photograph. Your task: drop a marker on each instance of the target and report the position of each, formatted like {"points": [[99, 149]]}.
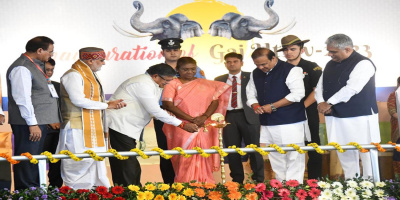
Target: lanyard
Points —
{"points": [[47, 78]]}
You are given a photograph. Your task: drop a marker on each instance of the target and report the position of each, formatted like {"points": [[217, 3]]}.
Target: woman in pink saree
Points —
{"points": [[194, 100]]}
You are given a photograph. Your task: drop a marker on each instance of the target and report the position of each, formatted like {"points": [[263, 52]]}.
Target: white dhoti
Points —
{"points": [[363, 130], [81, 174], [289, 166]]}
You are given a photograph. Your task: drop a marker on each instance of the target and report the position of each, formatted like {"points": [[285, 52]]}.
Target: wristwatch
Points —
{"points": [[273, 108]]}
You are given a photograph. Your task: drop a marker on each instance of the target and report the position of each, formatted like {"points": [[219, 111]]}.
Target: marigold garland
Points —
{"points": [[182, 152], [297, 148], [259, 150], [94, 155], [141, 154], [358, 146], [202, 153], [397, 148], [316, 147], [240, 152], [9, 158], [278, 149], [337, 146], [378, 147], [117, 155], [50, 157], [162, 154], [220, 151], [70, 154], [30, 157]]}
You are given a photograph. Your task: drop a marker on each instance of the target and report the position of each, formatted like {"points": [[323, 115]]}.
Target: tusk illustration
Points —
{"points": [[282, 30], [127, 33]]}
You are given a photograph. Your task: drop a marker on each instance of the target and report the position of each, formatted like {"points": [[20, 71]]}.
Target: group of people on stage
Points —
{"points": [[277, 103]]}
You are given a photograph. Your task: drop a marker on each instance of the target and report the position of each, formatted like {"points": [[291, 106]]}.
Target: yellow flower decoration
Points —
{"points": [[220, 151], [141, 196], [133, 188], [30, 157], [148, 195], [141, 154], [201, 152], [182, 152], [177, 186], [316, 147], [337, 146], [172, 196], [50, 157], [358, 146], [180, 197], [259, 150], [162, 154], [278, 149], [150, 187], [163, 187], [117, 155], [297, 147], [188, 192], [238, 150], [71, 155], [159, 197], [94, 155]]}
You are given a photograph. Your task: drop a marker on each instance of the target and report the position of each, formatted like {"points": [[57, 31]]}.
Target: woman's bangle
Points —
{"points": [[255, 107], [182, 125]]}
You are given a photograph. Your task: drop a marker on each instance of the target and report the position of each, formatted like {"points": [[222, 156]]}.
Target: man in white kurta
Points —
{"points": [[275, 93], [346, 95], [81, 94]]}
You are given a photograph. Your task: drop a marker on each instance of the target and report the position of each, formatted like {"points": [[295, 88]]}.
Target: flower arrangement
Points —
{"points": [[357, 188]]}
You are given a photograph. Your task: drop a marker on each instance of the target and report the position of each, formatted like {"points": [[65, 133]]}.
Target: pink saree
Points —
{"points": [[194, 98]]}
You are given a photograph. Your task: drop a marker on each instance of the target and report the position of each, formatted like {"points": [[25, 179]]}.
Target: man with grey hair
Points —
{"points": [[82, 128], [346, 96]]}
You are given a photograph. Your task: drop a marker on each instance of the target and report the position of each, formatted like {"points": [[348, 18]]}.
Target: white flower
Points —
{"points": [[351, 192], [366, 194], [324, 184], [366, 184], [337, 185], [327, 193], [352, 184], [338, 191], [380, 184], [379, 193], [353, 197]]}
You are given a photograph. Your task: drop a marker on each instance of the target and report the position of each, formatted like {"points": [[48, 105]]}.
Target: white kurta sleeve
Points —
{"points": [[318, 91], [73, 84], [145, 94], [21, 84], [294, 82], [358, 78], [251, 92]]}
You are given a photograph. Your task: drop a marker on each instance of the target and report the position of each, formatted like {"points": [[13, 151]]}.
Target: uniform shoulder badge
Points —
{"points": [[317, 68]]}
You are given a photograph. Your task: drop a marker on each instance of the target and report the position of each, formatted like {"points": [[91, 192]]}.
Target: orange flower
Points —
{"points": [[252, 196], [9, 159], [196, 184], [199, 192], [30, 157], [231, 186], [215, 195], [249, 186], [209, 185], [234, 195], [159, 197]]}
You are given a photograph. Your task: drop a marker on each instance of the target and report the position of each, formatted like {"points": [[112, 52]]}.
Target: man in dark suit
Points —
{"points": [[51, 142], [245, 123]]}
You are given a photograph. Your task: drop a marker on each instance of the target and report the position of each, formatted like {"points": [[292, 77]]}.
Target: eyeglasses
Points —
{"points": [[164, 79]]}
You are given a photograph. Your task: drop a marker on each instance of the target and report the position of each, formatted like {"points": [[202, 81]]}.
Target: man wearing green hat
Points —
{"points": [[292, 48]]}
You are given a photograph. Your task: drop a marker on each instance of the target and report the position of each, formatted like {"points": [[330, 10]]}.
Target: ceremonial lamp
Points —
{"points": [[218, 121]]}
